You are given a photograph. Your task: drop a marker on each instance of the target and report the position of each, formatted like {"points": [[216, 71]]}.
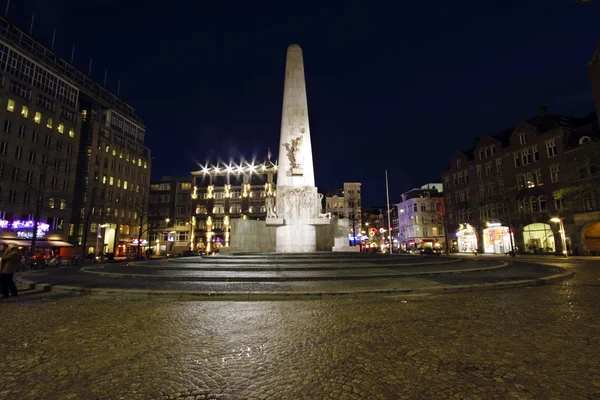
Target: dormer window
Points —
{"points": [[523, 138], [584, 139], [458, 164]]}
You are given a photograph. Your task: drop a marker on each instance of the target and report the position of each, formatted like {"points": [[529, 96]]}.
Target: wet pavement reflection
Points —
{"points": [[532, 343]]}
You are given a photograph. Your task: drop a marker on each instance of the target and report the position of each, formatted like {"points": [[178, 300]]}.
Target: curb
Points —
{"points": [[140, 294], [86, 270]]}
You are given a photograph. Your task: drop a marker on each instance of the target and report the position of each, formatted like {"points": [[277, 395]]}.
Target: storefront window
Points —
{"points": [[467, 239], [496, 239], [538, 238]]}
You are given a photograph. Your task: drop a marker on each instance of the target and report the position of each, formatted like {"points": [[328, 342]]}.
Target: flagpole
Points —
{"points": [[387, 192]]}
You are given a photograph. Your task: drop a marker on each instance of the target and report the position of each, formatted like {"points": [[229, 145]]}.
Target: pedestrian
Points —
{"points": [[10, 262]]}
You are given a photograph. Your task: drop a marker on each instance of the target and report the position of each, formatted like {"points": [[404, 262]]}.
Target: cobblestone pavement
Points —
{"points": [[539, 342]]}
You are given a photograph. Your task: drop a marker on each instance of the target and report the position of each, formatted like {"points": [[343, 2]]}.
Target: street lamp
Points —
{"points": [[563, 238]]}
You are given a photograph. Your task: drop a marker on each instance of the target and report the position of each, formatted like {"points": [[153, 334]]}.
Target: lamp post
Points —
{"points": [[563, 238]]}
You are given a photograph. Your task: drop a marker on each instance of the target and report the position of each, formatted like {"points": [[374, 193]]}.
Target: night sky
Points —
{"points": [[391, 85]]}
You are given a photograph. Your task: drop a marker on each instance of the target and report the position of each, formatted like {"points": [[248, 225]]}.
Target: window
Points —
{"points": [[18, 152], [38, 117], [554, 169], [551, 148], [49, 123], [543, 203], [499, 165], [63, 204], [558, 204], [26, 198], [458, 164], [520, 181], [517, 157], [51, 202], [488, 169], [479, 172], [535, 153], [25, 112], [538, 178], [111, 181], [47, 141], [523, 138], [61, 128], [423, 207], [493, 150], [415, 207], [32, 157], [526, 157], [34, 136], [124, 184], [3, 148], [7, 126], [529, 180], [10, 106]]}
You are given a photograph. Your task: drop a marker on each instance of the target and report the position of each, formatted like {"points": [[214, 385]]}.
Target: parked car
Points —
{"points": [[430, 251], [189, 253]]}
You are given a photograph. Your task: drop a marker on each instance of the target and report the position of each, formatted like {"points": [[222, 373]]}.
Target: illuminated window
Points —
{"points": [[111, 181], [49, 123], [124, 184], [145, 165], [10, 106], [104, 179], [84, 114], [121, 154], [107, 149], [38, 117], [114, 152], [71, 132], [61, 127], [63, 204], [118, 182], [25, 111], [51, 202], [139, 162]]}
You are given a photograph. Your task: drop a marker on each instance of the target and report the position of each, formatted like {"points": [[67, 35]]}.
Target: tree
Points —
{"points": [[42, 185], [139, 206]]}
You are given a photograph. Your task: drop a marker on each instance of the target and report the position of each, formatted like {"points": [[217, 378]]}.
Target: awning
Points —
{"points": [[38, 243]]}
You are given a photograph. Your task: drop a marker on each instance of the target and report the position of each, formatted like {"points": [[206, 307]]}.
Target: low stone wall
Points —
{"points": [[251, 236]]}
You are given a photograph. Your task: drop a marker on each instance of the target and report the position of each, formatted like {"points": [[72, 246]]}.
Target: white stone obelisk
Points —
{"points": [[297, 204]]}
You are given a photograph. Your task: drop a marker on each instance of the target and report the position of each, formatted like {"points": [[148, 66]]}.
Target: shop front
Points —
{"points": [[21, 232], [466, 238], [496, 239], [538, 238]]}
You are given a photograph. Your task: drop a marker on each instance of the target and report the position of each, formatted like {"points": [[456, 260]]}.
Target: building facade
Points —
{"points": [[502, 194], [169, 218], [346, 203], [71, 153], [420, 218], [225, 191]]}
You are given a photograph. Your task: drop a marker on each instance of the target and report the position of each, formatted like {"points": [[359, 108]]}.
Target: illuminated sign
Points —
{"points": [[19, 226]]}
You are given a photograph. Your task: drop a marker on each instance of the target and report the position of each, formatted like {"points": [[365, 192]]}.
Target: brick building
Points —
{"points": [[509, 181]]}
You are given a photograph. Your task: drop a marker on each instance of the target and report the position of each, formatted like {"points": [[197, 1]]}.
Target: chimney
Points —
{"points": [[543, 110]]}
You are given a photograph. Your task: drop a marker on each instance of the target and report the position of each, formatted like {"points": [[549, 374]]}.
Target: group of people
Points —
{"points": [[11, 258]]}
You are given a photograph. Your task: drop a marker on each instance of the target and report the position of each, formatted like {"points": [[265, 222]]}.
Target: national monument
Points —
{"points": [[294, 222]]}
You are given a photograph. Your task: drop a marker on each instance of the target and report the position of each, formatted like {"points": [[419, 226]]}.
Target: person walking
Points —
{"points": [[10, 262]]}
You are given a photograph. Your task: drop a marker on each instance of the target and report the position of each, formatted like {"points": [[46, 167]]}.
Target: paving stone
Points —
{"points": [[527, 343]]}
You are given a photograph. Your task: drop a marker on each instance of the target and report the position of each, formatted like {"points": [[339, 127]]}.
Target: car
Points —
{"points": [[189, 253], [430, 251]]}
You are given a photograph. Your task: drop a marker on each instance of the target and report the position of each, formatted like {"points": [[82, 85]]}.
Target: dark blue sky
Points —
{"points": [[396, 85]]}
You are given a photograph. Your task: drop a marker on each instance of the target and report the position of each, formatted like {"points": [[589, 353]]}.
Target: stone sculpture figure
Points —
{"points": [[292, 150], [270, 204]]}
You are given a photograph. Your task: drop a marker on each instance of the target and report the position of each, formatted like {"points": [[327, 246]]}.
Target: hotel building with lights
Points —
{"points": [[69, 145], [223, 192]]}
